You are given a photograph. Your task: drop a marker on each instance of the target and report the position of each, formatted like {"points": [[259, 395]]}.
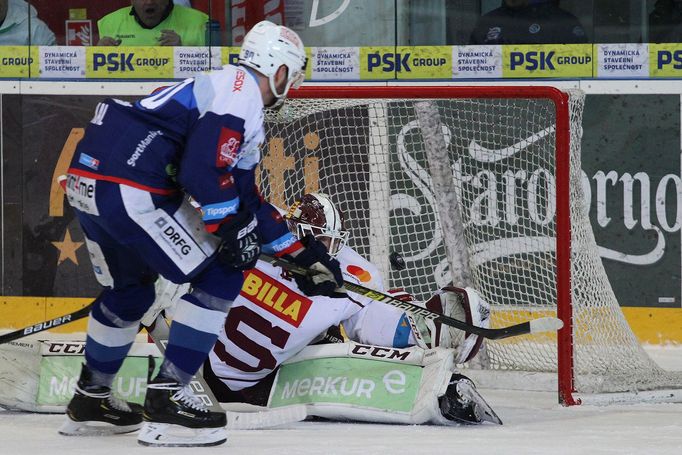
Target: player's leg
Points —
{"points": [[198, 318], [112, 327], [173, 241]]}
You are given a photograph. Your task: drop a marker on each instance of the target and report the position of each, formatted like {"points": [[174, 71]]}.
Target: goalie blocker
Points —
{"points": [[359, 382]]}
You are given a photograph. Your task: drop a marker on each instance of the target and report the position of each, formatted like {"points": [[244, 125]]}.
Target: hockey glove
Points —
{"points": [[326, 278], [465, 305], [241, 241]]}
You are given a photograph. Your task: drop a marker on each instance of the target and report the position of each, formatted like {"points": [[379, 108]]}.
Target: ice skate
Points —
{"points": [[94, 411], [175, 417], [463, 404]]}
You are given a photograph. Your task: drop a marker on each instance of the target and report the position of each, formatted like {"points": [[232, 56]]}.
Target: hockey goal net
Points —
{"points": [[476, 185]]}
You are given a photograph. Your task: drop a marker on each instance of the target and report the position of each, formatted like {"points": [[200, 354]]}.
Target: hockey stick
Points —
{"points": [[46, 325], [236, 420], [546, 324]]}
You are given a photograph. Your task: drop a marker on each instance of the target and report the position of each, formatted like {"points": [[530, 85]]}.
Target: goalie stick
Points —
{"points": [[545, 324], [236, 420], [46, 325]]}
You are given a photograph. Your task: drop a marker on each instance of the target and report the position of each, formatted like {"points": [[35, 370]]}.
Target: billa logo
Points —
{"points": [[275, 297]]}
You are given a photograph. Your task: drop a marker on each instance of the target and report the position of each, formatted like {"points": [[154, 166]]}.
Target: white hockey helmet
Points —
{"points": [[268, 46], [316, 214]]}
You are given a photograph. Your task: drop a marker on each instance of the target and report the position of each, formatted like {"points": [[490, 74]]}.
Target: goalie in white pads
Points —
{"points": [[395, 369]]}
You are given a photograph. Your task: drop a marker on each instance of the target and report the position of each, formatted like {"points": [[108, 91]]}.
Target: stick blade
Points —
{"points": [[548, 324], [267, 418]]}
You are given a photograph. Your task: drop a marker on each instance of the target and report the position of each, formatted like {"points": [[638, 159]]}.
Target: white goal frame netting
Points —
{"points": [[479, 186]]}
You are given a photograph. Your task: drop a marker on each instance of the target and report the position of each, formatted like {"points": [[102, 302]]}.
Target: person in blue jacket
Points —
{"points": [[528, 22]]}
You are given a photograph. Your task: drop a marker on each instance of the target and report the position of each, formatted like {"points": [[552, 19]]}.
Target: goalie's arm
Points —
{"points": [[545, 324]]}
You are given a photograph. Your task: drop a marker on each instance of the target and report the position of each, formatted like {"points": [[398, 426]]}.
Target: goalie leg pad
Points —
{"points": [[356, 382]]}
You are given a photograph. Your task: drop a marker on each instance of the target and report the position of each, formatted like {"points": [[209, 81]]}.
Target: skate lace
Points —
{"points": [[188, 398], [118, 404], [105, 394]]}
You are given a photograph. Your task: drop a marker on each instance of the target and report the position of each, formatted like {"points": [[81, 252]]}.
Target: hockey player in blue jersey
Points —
{"points": [[128, 183]]}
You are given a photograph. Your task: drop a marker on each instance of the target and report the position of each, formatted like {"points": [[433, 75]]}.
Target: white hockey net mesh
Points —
{"points": [[369, 156]]}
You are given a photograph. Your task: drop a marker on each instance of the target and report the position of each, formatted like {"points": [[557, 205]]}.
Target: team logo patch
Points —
{"points": [[276, 216], [87, 160], [275, 297], [493, 33], [228, 147], [362, 274], [225, 181]]}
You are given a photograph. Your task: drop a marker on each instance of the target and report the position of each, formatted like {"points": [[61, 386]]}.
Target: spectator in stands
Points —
{"points": [[15, 18], [153, 23], [665, 22], [528, 22]]}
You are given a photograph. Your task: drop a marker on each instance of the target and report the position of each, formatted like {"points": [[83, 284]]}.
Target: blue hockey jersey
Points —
{"points": [[201, 136]]}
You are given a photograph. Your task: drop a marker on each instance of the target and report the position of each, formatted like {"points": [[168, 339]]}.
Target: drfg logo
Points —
{"points": [[542, 60], [390, 62], [125, 61], [664, 58]]}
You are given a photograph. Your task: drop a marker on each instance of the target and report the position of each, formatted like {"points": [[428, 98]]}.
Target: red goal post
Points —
{"points": [[507, 217]]}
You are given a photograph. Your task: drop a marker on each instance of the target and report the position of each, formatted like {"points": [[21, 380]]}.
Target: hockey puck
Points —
{"points": [[397, 261]]}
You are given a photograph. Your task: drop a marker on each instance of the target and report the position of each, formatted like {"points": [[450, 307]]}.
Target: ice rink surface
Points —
{"points": [[533, 424]]}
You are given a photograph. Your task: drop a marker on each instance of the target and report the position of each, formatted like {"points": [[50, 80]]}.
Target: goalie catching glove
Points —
{"points": [[326, 278], [463, 304], [241, 241]]}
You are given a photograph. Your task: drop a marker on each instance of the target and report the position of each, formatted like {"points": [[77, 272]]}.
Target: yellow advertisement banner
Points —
{"points": [[309, 66], [425, 62], [378, 62], [19, 61], [129, 62], [665, 60], [406, 62], [547, 60], [229, 55]]}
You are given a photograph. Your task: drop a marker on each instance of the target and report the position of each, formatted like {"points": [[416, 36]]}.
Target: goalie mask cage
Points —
{"points": [[477, 185]]}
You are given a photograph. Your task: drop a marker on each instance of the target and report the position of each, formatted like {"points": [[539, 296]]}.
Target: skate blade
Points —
{"points": [[482, 410], [94, 428], [156, 434]]}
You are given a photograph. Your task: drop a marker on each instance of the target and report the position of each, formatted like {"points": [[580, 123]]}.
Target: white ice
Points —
{"points": [[533, 424]]}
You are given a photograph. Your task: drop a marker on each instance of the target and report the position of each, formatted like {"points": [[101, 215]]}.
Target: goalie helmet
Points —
{"points": [[268, 46], [316, 214]]}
